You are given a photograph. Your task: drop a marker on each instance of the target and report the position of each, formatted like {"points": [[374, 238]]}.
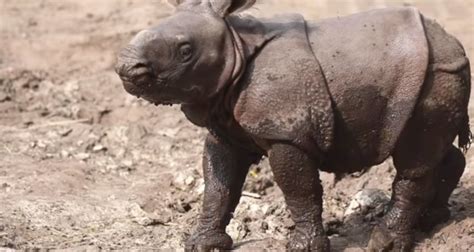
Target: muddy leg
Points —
{"points": [[410, 197], [225, 168], [416, 157], [298, 177], [448, 174]]}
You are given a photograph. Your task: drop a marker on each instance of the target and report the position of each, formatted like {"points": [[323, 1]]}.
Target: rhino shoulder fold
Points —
{"points": [[284, 95]]}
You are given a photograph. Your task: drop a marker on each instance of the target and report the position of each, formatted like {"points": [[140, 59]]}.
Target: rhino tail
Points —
{"points": [[465, 134]]}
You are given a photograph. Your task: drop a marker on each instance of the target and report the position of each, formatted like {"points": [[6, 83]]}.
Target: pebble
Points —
{"points": [[82, 156], [365, 200], [98, 148], [65, 154], [127, 163], [65, 133], [189, 180]]}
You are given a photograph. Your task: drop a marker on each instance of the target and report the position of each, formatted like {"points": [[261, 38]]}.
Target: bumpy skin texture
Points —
{"points": [[288, 101], [225, 168], [305, 200], [374, 64], [337, 95]]}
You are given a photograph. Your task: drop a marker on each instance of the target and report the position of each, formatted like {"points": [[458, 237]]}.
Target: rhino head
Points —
{"points": [[187, 59]]}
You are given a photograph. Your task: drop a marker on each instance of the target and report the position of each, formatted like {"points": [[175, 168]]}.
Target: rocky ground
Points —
{"points": [[85, 166]]}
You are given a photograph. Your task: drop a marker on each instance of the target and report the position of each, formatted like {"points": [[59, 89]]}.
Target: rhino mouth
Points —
{"points": [[133, 89], [142, 83], [150, 92]]}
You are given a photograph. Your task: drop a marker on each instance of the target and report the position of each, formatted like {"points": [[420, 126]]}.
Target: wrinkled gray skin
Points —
{"points": [[337, 95]]}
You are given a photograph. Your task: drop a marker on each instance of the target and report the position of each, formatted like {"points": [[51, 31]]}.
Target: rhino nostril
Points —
{"points": [[141, 65], [140, 69]]}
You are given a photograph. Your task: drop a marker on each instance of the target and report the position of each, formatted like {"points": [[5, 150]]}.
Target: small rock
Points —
{"points": [[98, 148], [183, 181], [237, 229], [28, 123], [123, 174], [200, 187], [82, 156], [365, 200], [139, 216], [65, 133], [41, 144], [65, 154], [189, 180], [127, 163], [7, 188], [264, 226]]}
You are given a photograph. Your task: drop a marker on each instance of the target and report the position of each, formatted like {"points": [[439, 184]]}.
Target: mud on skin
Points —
{"points": [[286, 88]]}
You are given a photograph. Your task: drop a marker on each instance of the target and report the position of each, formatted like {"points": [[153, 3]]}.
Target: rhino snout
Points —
{"points": [[136, 76], [131, 64], [132, 71]]}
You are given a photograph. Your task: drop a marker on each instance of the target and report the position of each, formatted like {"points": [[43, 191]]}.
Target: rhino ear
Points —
{"points": [[225, 7]]}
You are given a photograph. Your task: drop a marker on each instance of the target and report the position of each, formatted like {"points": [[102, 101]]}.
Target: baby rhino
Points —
{"points": [[337, 95]]}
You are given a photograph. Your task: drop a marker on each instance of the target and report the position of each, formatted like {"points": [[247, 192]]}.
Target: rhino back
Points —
{"points": [[374, 64]]}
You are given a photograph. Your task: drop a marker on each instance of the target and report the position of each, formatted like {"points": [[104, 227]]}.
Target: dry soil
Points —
{"points": [[84, 166]]}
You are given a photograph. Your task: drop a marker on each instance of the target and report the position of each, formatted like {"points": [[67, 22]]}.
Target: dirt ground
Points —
{"points": [[84, 166]]}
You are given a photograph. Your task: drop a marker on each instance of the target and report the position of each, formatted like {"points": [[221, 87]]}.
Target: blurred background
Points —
{"points": [[83, 165]]}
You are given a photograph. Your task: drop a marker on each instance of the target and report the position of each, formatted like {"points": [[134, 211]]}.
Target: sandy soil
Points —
{"points": [[85, 166]]}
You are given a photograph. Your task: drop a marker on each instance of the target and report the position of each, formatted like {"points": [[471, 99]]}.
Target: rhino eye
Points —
{"points": [[185, 52]]}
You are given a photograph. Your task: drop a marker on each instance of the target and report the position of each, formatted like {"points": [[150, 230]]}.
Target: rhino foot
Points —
{"points": [[299, 241], [382, 239], [208, 241]]}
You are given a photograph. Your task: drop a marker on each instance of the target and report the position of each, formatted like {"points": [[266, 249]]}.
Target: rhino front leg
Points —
{"points": [[298, 177], [225, 168]]}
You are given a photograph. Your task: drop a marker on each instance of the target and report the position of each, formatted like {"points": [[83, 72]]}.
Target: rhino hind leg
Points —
{"points": [[448, 174], [416, 157], [424, 157], [412, 192]]}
